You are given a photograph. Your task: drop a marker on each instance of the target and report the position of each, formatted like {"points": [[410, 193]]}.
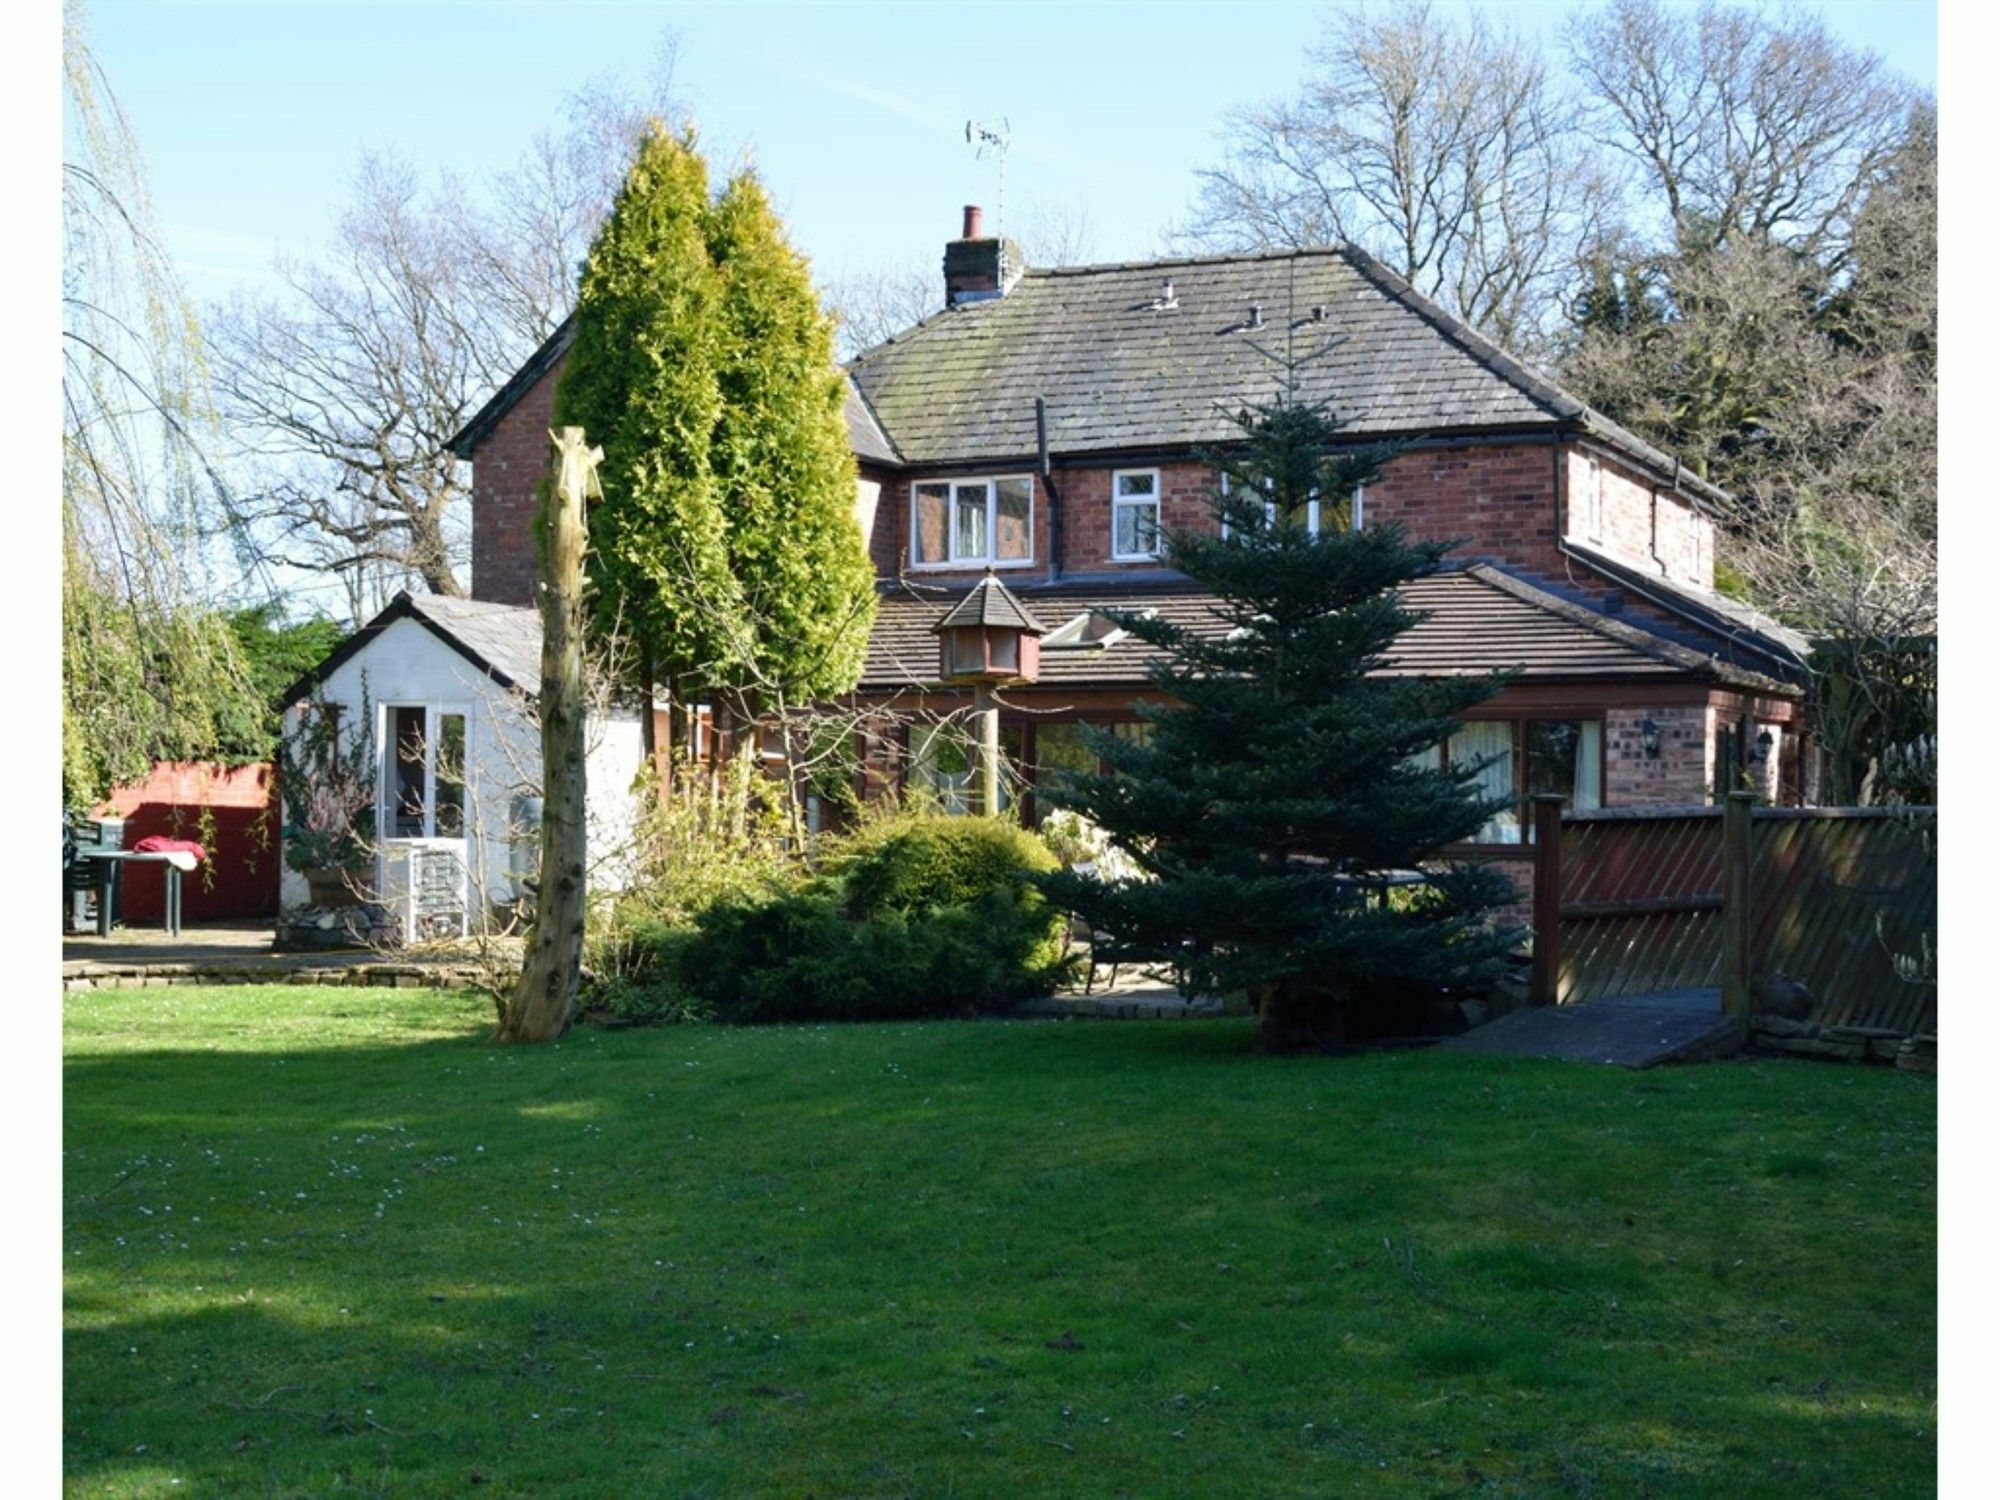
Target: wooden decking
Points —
{"points": [[1630, 1031]]}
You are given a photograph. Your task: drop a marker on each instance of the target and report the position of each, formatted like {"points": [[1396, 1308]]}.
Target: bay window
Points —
{"points": [[972, 522]]}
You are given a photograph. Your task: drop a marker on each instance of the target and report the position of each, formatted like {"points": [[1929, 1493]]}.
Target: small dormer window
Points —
{"points": [[1135, 515], [1593, 502], [972, 523]]}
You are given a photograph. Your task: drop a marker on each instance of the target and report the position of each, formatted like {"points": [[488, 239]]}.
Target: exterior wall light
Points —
{"points": [[1649, 738]]}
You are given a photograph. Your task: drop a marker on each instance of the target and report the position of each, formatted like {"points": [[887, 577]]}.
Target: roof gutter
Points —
{"points": [[1049, 484]]}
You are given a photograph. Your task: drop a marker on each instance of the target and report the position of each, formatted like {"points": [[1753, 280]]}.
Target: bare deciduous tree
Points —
{"points": [[1740, 123], [343, 388], [1443, 148]]}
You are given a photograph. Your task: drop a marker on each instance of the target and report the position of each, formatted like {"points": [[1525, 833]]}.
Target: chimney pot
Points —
{"points": [[972, 222]]}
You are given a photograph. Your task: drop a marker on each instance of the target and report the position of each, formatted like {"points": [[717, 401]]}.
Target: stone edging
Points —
{"points": [[90, 975], [1870, 1044], [1112, 1008]]}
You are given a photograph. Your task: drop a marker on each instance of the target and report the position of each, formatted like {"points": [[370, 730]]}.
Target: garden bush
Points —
{"points": [[914, 916]]}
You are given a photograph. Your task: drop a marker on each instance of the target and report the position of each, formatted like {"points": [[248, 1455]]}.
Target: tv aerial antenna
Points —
{"points": [[990, 137]]}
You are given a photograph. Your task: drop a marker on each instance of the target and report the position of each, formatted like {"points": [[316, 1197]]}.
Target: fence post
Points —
{"points": [[1736, 906], [1548, 813]]}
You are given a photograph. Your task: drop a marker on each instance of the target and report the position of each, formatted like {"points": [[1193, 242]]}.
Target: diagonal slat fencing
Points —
{"points": [[1840, 900]]}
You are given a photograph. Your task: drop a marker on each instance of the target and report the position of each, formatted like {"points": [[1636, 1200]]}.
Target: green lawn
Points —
{"points": [[327, 1241]]}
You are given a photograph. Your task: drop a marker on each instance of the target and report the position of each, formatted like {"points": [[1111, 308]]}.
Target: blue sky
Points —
{"points": [[251, 115]]}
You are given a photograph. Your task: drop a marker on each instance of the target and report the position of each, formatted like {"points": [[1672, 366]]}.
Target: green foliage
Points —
{"points": [[642, 382], [326, 779], [907, 863], [726, 542], [921, 915], [141, 682], [274, 656], [782, 464], [1283, 768]]}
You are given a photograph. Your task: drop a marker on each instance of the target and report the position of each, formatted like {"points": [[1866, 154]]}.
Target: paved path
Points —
{"points": [[1632, 1031]]}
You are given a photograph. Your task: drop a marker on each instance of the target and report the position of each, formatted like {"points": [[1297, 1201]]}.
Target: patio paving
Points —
{"points": [[1630, 1031], [240, 952]]}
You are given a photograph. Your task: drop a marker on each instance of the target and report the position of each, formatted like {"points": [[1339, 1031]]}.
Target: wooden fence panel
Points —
{"points": [[1835, 899], [1834, 896], [1641, 902]]}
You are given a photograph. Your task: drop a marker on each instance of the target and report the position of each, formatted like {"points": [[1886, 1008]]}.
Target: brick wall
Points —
{"points": [[1678, 777], [1500, 498], [1638, 521], [875, 510], [507, 472]]}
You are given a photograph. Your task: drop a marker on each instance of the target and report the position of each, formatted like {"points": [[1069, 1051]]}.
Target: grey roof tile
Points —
{"points": [[1120, 371]]}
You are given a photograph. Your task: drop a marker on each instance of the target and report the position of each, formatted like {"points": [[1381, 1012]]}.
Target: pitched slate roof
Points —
{"points": [[864, 433], [1477, 619], [502, 640], [1122, 369]]}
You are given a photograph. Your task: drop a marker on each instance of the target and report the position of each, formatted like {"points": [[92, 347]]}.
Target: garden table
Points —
{"points": [[177, 862]]}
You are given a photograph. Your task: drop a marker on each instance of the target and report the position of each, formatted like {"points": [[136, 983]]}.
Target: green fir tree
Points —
{"points": [[1286, 769]]}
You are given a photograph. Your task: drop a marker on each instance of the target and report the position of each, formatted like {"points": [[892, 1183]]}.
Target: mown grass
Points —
{"points": [[327, 1241]]}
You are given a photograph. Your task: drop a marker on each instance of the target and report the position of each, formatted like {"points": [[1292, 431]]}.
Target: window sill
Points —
{"points": [[967, 566]]}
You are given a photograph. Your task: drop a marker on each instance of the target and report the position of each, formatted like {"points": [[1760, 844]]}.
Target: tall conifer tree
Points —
{"points": [[783, 469], [642, 381], [1286, 771], [726, 546]]}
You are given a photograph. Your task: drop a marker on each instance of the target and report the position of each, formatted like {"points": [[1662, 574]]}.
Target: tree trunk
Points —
{"points": [[545, 995]]}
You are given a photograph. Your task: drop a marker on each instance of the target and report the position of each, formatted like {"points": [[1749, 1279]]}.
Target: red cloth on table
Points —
{"points": [[160, 844]]}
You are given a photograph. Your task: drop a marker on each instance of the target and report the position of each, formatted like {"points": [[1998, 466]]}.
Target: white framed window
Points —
{"points": [[1593, 501], [421, 780], [1135, 515], [961, 523], [1356, 511]]}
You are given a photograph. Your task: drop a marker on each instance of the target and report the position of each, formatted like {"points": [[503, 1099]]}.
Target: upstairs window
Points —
{"points": [[963, 523], [1352, 519], [1135, 515], [1593, 502]]}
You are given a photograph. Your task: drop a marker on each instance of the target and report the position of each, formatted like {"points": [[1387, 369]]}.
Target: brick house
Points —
{"points": [[1049, 425]]}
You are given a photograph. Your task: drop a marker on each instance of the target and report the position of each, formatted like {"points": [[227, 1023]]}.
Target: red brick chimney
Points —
{"points": [[977, 267]]}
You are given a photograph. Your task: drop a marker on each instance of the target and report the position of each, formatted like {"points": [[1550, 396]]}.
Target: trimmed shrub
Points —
{"points": [[913, 917], [919, 860]]}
